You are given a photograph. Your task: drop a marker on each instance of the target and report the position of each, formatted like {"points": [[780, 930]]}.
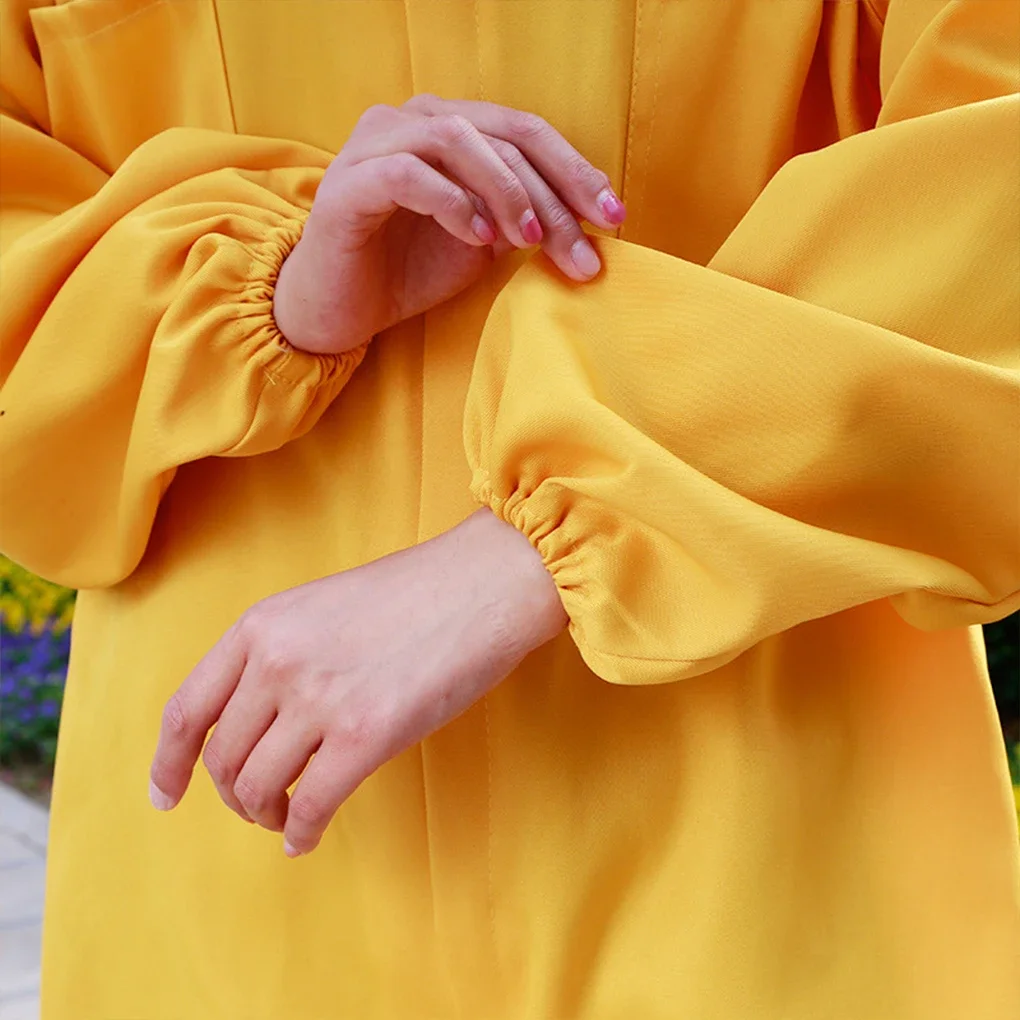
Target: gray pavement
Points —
{"points": [[23, 828]]}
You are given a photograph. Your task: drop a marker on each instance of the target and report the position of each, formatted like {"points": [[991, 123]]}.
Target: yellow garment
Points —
{"points": [[770, 458]]}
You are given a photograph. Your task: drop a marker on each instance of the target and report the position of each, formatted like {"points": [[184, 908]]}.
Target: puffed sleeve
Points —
{"points": [[825, 415], [136, 325]]}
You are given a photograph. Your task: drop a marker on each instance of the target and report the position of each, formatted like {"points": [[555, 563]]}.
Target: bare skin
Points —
{"points": [[333, 678], [415, 206], [324, 683]]}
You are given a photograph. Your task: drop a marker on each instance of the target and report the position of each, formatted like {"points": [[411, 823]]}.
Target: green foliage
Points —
{"points": [[1002, 641], [32, 672], [29, 600], [34, 643], [1013, 754]]}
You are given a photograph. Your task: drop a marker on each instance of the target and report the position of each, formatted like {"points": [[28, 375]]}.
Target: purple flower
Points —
{"points": [[40, 654], [34, 656], [33, 669]]}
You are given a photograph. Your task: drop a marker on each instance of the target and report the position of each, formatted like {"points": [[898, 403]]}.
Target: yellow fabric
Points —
{"points": [[770, 458]]}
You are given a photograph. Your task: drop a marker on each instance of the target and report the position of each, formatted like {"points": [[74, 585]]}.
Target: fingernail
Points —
{"points": [[531, 229], [585, 259], [289, 850], [482, 230], [612, 208], [160, 800]]}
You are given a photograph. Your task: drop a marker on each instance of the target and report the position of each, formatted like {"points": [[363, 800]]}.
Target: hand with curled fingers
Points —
{"points": [[329, 680], [414, 207]]}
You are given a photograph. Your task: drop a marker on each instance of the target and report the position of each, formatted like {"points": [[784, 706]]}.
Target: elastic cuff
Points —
{"points": [[548, 533], [285, 363]]}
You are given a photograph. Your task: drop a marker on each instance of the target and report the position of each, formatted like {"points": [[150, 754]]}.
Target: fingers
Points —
{"points": [[569, 174], [331, 777], [563, 239], [455, 143], [529, 179], [189, 714], [374, 189], [276, 761], [247, 716]]}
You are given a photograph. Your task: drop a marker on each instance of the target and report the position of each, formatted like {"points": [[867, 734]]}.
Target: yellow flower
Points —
{"points": [[14, 615], [25, 598], [63, 621]]}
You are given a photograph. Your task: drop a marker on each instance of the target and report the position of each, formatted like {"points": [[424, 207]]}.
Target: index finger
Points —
{"points": [[189, 714], [582, 186]]}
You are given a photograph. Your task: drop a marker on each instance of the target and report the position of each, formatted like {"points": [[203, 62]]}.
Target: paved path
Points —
{"points": [[23, 826]]}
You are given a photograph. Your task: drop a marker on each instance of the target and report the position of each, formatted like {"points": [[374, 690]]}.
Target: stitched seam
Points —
{"points": [[418, 538], [628, 162], [277, 343], [241, 331], [429, 848], [223, 63], [485, 700], [120, 21], [267, 381], [583, 644], [870, 4], [651, 117], [478, 50]]}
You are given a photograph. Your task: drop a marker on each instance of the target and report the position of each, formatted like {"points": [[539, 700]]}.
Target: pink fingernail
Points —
{"points": [[160, 800], [585, 259], [531, 229], [612, 208], [483, 230], [289, 850]]}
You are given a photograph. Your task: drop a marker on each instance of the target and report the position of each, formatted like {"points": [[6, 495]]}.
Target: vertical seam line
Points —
{"points": [[223, 63], [410, 50], [485, 700], [429, 849], [635, 63], [657, 56], [478, 50], [870, 4]]}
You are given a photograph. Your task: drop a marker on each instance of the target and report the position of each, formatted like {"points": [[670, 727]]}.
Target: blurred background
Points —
{"points": [[35, 622]]}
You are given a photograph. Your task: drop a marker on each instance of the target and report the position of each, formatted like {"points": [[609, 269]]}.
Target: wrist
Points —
{"points": [[526, 601], [292, 306], [301, 306]]}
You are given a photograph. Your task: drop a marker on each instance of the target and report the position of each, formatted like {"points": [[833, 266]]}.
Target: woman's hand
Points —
{"points": [[411, 209], [331, 679]]}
